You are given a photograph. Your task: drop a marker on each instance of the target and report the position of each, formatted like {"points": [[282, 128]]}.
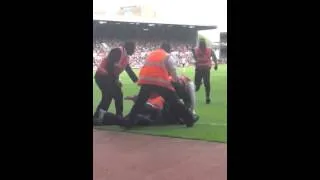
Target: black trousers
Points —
{"points": [[169, 96], [143, 119], [205, 75], [183, 94], [109, 90]]}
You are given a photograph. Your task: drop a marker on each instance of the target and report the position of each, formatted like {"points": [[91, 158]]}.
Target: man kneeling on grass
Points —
{"points": [[156, 111]]}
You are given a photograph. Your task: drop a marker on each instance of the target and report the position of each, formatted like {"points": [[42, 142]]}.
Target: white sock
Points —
{"points": [[101, 114]]}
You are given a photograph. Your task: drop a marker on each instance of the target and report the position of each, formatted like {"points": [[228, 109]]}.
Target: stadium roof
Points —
{"points": [[143, 20]]}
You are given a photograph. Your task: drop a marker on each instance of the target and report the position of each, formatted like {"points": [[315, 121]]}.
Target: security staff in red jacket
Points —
{"points": [[107, 78], [203, 55]]}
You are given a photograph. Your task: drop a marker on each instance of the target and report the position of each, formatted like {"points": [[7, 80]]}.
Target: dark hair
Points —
{"points": [[166, 47], [202, 44], [129, 44], [130, 47]]}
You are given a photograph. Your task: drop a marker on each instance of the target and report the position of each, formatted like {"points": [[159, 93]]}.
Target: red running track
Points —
{"points": [[125, 156]]}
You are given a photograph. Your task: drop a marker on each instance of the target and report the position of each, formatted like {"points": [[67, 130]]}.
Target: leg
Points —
{"points": [[106, 96], [142, 98], [206, 80], [177, 107], [110, 119], [192, 96], [170, 117], [118, 101], [198, 79]]}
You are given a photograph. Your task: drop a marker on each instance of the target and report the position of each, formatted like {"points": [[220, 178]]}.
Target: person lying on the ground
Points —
{"points": [[185, 89], [156, 111]]}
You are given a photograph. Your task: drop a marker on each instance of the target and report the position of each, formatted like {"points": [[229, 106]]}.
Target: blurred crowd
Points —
{"points": [[182, 51]]}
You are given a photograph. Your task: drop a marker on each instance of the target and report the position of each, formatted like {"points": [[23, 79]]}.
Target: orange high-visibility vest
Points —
{"points": [[154, 71], [203, 58], [119, 67], [156, 101]]}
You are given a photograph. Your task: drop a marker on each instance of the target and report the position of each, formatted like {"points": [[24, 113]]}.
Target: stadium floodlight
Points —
{"points": [[103, 22], [151, 24], [146, 29], [191, 26]]}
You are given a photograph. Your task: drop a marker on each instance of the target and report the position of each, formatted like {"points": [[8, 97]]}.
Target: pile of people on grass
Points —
{"points": [[179, 49], [164, 95]]}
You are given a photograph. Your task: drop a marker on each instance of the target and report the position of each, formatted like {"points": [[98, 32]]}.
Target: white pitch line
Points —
{"points": [[211, 124]]}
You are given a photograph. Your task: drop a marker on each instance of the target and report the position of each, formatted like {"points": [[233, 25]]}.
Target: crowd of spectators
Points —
{"points": [[181, 50]]}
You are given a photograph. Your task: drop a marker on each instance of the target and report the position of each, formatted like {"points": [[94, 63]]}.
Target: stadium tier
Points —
{"points": [[147, 36], [223, 46]]}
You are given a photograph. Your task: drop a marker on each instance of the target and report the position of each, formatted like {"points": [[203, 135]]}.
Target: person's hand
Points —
{"points": [[119, 84], [132, 98]]}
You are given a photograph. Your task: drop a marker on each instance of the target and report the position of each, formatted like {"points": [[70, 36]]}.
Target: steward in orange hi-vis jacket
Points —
{"points": [[154, 77], [203, 63]]}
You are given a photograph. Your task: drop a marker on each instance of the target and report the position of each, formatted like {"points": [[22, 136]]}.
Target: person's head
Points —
{"points": [[166, 47], [202, 44], [130, 47]]}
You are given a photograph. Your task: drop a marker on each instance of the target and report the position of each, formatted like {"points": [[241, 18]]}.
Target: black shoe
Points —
{"points": [[194, 120], [196, 117], [208, 101], [189, 125]]}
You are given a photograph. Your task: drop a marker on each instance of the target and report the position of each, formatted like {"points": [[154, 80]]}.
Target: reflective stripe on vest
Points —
{"points": [[154, 71], [155, 81], [154, 64], [156, 102], [203, 58]]}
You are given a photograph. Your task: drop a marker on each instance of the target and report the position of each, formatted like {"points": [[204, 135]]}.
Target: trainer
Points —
{"points": [[107, 79], [203, 55]]}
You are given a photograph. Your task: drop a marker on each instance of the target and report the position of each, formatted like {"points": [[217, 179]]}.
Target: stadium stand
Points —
{"points": [[223, 47], [147, 36]]}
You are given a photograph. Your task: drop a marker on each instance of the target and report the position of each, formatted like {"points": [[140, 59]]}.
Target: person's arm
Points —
{"points": [[113, 57], [171, 68], [131, 74], [194, 55], [132, 98], [214, 59]]}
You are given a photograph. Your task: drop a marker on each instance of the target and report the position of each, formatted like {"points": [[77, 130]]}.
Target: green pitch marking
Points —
{"points": [[212, 125]]}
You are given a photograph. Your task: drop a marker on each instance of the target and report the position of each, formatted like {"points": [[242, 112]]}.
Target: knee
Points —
{"points": [[197, 87]]}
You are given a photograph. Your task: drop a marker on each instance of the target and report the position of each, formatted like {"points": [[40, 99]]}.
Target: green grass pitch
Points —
{"points": [[212, 125]]}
